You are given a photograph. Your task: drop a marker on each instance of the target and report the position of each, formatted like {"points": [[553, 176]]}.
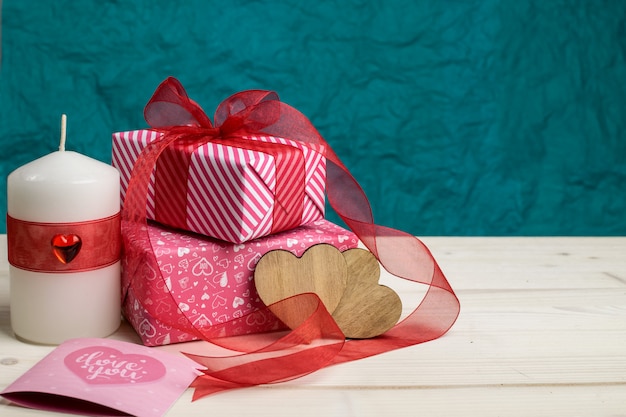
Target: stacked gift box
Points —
{"points": [[207, 241]]}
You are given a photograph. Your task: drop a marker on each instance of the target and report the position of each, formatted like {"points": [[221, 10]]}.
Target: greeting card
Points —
{"points": [[102, 377]]}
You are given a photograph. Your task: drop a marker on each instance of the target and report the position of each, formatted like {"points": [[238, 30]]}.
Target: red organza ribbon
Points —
{"points": [[186, 127], [317, 342]]}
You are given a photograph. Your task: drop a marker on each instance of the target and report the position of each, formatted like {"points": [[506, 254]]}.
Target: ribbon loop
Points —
{"points": [[170, 106], [238, 119], [245, 100]]}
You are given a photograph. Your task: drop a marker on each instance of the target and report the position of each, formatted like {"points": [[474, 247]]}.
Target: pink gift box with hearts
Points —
{"points": [[231, 192], [211, 281]]}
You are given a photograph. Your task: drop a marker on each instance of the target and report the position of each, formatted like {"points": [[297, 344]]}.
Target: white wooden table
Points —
{"points": [[542, 332]]}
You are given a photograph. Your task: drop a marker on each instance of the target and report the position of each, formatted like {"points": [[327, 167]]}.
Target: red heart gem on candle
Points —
{"points": [[66, 247]]}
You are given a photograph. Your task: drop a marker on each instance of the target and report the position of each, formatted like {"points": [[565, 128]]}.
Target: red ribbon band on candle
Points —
{"points": [[32, 246], [317, 342]]}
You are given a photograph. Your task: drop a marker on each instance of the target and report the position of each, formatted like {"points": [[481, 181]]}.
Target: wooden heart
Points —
{"points": [[366, 309], [66, 247], [279, 274]]}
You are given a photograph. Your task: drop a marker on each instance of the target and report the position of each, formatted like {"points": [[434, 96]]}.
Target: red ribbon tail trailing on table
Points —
{"points": [[310, 346], [317, 342]]}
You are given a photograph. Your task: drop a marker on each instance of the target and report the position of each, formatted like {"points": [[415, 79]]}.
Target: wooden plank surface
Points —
{"points": [[542, 332]]}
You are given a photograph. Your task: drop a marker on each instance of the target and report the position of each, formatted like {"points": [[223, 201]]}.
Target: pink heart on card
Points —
{"points": [[100, 365]]}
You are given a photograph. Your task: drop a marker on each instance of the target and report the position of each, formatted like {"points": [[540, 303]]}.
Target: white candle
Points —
{"points": [[63, 207]]}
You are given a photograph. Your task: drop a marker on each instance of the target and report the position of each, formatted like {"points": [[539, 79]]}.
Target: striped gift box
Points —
{"points": [[230, 190]]}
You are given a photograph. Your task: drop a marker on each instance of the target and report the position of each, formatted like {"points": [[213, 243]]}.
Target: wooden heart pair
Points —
{"points": [[347, 284]]}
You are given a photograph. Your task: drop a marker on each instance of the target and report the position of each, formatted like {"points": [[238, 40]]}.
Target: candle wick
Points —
{"points": [[63, 130]]}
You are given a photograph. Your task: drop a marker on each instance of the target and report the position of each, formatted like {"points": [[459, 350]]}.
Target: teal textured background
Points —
{"points": [[486, 117]]}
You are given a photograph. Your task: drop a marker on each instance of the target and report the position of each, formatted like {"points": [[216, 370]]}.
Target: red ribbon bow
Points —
{"points": [[186, 127], [317, 342]]}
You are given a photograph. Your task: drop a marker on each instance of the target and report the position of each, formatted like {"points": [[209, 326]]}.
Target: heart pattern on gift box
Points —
{"points": [[199, 281], [347, 284], [66, 247], [101, 365]]}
